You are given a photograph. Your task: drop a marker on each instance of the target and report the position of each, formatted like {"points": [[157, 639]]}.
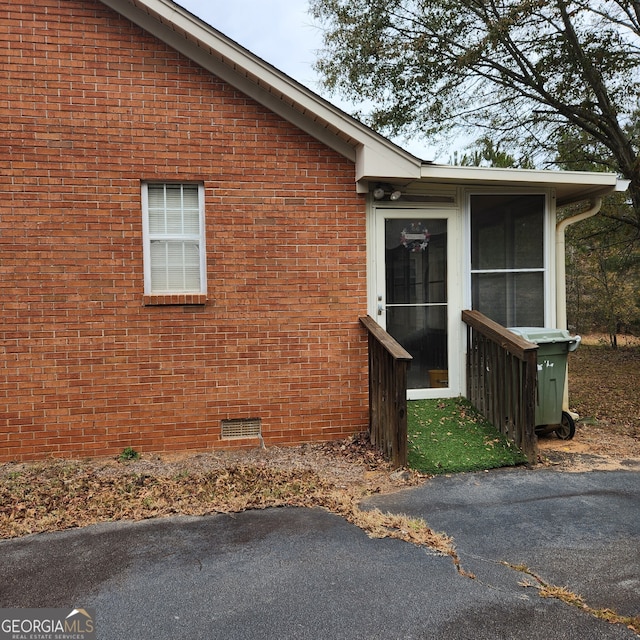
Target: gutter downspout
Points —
{"points": [[561, 282]]}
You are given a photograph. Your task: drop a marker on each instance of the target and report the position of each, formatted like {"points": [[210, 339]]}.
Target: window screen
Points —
{"points": [[507, 258]]}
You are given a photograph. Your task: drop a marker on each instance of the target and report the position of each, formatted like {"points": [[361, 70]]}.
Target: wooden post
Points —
{"points": [[388, 363]]}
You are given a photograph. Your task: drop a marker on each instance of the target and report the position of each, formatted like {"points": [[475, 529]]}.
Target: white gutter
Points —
{"points": [[561, 283], [561, 278]]}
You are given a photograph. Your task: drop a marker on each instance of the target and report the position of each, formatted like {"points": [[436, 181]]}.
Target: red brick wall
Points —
{"points": [[90, 106]]}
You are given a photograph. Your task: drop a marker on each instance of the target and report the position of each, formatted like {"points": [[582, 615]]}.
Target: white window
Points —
{"points": [[173, 228], [507, 258]]}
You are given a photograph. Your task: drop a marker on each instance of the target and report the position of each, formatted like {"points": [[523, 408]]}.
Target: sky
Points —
{"points": [[282, 33]]}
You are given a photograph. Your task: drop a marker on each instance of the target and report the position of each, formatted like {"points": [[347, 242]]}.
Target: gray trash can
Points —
{"points": [[553, 347]]}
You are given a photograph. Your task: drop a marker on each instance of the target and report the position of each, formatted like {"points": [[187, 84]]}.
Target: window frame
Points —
{"points": [[148, 237], [546, 270]]}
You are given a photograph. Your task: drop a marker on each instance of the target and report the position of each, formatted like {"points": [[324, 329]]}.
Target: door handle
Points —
{"points": [[380, 308]]}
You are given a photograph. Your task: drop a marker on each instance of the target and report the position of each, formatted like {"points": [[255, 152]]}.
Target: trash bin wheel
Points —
{"points": [[567, 428]]}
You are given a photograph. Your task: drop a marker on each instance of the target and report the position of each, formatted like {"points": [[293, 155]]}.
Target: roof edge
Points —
{"points": [[253, 76], [376, 158], [570, 186]]}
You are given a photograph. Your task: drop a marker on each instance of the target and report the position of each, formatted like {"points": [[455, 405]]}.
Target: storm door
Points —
{"points": [[413, 303]]}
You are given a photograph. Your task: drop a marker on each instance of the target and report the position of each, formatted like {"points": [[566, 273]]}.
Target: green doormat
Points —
{"points": [[450, 436]]}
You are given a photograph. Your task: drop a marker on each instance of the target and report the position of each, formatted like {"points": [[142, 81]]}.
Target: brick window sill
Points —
{"points": [[175, 299]]}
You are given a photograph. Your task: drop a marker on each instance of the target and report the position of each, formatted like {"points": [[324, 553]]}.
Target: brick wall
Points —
{"points": [[93, 106]]}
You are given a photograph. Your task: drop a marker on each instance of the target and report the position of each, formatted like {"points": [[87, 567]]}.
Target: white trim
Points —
{"points": [[376, 158], [374, 155], [570, 186], [548, 239], [538, 270], [549, 258], [455, 356], [146, 240], [146, 243]]}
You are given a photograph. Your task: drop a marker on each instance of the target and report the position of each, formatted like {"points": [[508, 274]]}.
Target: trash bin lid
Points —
{"points": [[542, 335]]}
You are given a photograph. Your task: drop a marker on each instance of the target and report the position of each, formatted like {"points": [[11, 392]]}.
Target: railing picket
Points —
{"points": [[501, 384], [388, 363], [502, 378]]}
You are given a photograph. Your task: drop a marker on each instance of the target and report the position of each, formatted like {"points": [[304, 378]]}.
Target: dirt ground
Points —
{"points": [[354, 466], [604, 386], [592, 449], [604, 390], [57, 494]]}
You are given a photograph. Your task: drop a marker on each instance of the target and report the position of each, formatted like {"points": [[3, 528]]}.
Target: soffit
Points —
{"points": [[256, 78], [376, 158], [569, 186]]}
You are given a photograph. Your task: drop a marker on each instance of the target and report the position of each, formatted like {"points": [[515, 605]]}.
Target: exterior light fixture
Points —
{"points": [[383, 190]]}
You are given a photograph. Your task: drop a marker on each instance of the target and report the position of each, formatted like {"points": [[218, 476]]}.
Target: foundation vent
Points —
{"points": [[241, 428]]}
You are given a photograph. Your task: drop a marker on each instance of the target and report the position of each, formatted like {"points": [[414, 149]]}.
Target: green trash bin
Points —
{"points": [[553, 347]]}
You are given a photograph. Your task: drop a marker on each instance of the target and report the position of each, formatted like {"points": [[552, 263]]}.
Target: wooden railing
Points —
{"points": [[501, 379], [388, 363]]}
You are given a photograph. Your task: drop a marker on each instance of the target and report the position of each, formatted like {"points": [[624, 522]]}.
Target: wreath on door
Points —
{"points": [[416, 237]]}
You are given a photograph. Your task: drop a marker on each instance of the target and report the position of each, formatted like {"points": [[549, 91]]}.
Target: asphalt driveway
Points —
{"points": [[580, 530], [306, 573]]}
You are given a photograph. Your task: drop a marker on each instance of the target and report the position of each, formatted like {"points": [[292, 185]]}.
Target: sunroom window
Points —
{"points": [[507, 258], [174, 255]]}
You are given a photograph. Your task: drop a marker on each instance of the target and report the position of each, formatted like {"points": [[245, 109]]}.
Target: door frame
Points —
{"points": [[379, 211]]}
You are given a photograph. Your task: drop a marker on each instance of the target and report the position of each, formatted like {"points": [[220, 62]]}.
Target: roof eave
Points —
{"points": [[569, 186], [372, 153], [376, 158]]}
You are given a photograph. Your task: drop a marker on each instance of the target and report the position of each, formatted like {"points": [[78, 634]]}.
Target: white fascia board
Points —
{"points": [[375, 156], [375, 163], [570, 186]]}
